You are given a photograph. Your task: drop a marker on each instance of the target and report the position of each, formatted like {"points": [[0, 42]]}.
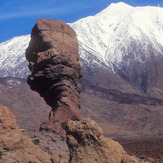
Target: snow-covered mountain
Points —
{"points": [[12, 57], [123, 40], [127, 40], [111, 34]]}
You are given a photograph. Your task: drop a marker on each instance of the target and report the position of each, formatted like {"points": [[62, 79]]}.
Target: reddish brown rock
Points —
{"points": [[16, 147], [87, 144], [55, 70]]}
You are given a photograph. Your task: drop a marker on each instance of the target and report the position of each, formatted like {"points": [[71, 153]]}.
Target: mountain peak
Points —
{"points": [[120, 4], [117, 38], [115, 7]]}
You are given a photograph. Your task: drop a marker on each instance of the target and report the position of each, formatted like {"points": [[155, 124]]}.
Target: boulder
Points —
{"points": [[87, 144]]}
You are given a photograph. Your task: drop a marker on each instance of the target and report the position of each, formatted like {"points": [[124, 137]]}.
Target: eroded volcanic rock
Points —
{"points": [[16, 147], [87, 144], [55, 70]]}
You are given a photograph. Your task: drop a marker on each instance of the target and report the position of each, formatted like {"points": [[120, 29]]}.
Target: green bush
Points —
{"points": [[142, 157], [132, 154], [36, 141]]}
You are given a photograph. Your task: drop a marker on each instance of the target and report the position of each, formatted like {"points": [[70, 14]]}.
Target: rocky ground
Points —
{"points": [[150, 149], [144, 148], [123, 119], [117, 120], [15, 147], [47, 140], [84, 138]]}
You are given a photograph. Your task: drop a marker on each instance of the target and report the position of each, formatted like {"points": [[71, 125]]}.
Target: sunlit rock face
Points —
{"points": [[87, 144], [55, 70]]}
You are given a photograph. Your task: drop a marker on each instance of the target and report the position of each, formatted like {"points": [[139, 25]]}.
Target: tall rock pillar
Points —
{"points": [[53, 56]]}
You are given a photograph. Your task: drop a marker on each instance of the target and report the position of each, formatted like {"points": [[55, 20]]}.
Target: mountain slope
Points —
{"points": [[12, 57], [121, 48], [127, 40], [110, 33]]}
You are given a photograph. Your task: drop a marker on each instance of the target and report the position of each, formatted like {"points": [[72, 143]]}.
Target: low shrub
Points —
{"points": [[36, 141]]}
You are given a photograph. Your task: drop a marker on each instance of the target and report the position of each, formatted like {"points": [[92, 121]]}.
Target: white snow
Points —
{"points": [[110, 32], [12, 57], [118, 31]]}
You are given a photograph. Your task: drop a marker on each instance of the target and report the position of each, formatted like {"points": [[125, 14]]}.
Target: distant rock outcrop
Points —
{"points": [[55, 70], [16, 147], [87, 144]]}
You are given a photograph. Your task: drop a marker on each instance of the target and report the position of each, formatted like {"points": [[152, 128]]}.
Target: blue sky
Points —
{"points": [[17, 17]]}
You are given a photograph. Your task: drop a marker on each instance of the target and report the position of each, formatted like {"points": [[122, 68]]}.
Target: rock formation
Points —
{"points": [[55, 70], [87, 144], [16, 147], [85, 140], [54, 62]]}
